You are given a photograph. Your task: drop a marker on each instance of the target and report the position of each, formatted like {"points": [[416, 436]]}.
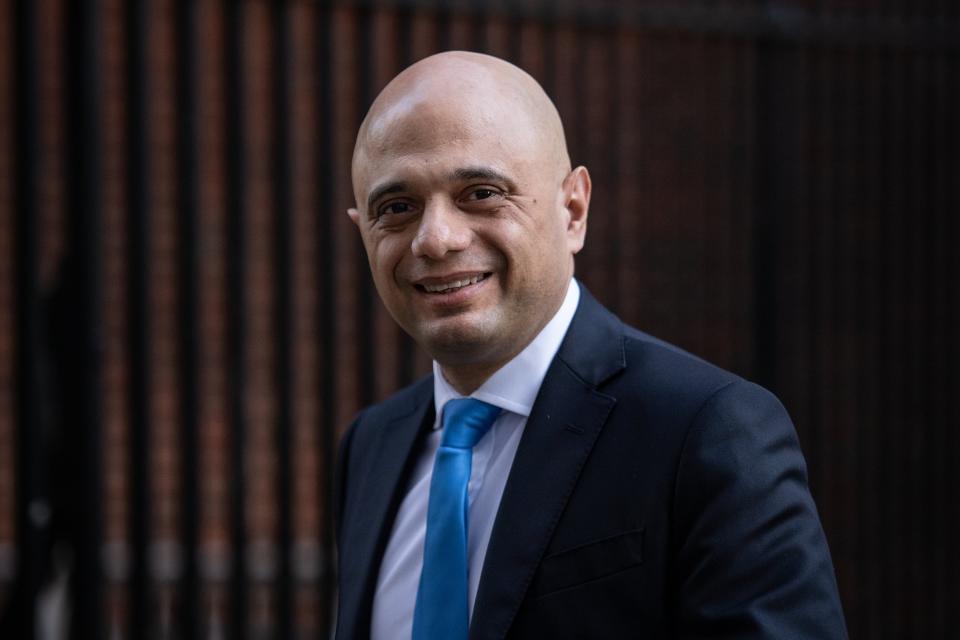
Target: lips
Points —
{"points": [[453, 285], [450, 284]]}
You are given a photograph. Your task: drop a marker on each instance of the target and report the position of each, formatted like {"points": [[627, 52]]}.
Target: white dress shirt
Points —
{"points": [[514, 387]]}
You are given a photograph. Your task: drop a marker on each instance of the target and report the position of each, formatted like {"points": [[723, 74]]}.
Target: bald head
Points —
{"points": [[452, 95], [468, 209]]}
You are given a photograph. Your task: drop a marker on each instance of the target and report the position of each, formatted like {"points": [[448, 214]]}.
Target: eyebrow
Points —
{"points": [[463, 173], [481, 173], [382, 190]]}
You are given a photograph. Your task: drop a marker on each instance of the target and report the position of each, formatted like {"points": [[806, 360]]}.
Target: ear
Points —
{"points": [[354, 215], [576, 195]]}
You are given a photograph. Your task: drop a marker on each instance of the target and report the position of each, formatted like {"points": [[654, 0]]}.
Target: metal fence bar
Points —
{"points": [[915, 367], [777, 161], [866, 398], [188, 288], [138, 317], [952, 274], [950, 382], [84, 382], [237, 309], [892, 203], [443, 29], [405, 26], [846, 294], [31, 532], [326, 312], [931, 525], [283, 320], [366, 366]]}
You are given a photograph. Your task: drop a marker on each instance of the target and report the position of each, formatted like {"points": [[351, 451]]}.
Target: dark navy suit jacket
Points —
{"points": [[653, 495]]}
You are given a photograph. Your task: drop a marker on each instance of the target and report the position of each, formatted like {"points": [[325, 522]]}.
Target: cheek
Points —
{"points": [[536, 250], [386, 265]]}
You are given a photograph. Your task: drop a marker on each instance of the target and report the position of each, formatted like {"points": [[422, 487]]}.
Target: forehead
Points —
{"points": [[413, 124], [417, 137]]}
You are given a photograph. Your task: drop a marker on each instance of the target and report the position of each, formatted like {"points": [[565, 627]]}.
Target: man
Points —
{"points": [[609, 485]]}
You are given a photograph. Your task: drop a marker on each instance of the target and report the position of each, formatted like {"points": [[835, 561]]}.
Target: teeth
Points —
{"points": [[452, 286]]}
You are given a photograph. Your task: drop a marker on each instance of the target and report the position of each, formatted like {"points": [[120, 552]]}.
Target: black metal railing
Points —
{"points": [[775, 190]]}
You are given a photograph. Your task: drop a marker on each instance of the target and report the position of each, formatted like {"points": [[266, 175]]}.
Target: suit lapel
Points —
{"points": [[566, 420], [381, 493]]}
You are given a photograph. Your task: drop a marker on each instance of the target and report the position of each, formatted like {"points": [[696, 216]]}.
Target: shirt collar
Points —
{"points": [[515, 385]]}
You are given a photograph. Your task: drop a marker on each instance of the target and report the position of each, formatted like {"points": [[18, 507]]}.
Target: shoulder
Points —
{"points": [[400, 405], [731, 508], [656, 383], [709, 405], [370, 424], [717, 420], [670, 381], [670, 363]]}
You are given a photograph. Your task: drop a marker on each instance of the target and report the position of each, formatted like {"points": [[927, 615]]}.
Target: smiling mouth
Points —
{"points": [[454, 285]]}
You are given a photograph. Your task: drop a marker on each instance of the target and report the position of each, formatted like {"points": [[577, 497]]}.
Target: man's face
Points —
{"points": [[468, 228]]}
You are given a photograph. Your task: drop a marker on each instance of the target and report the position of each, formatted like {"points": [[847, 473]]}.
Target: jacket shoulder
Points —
{"points": [[400, 405], [672, 371]]}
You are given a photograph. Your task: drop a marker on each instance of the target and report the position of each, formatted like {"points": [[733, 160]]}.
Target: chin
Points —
{"points": [[459, 342]]}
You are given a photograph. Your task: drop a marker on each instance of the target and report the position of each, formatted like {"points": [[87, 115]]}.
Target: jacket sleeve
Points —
{"points": [[751, 556]]}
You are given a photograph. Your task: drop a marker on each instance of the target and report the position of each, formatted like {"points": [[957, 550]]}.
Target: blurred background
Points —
{"points": [[187, 323]]}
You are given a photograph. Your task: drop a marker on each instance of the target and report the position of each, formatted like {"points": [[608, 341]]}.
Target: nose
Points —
{"points": [[443, 229]]}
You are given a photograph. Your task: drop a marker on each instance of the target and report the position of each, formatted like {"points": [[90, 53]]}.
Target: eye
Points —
{"points": [[482, 193], [396, 207]]}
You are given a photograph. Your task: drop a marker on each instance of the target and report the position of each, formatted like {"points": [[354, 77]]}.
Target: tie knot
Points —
{"points": [[465, 421]]}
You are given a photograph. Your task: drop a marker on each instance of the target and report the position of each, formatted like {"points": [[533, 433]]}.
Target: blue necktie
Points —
{"points": [[442, 609]]}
